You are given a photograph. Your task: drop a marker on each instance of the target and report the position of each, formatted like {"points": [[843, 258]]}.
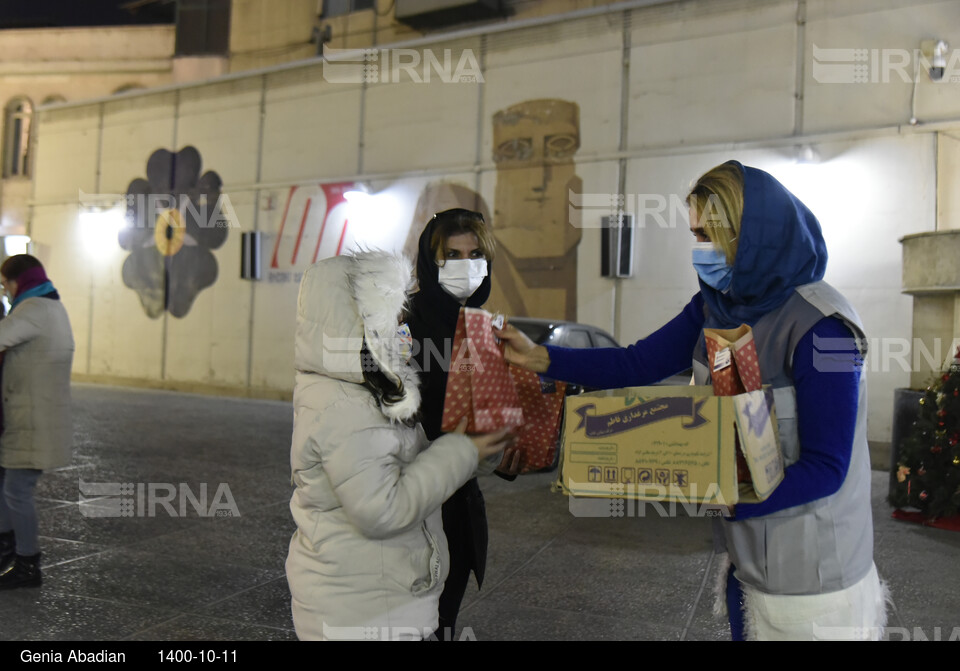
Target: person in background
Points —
{"points": [[37, 345], [369, 557], [801, 562], [455, 254]]}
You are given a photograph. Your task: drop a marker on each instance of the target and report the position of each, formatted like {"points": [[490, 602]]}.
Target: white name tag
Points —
{"points": [[722, 359]]}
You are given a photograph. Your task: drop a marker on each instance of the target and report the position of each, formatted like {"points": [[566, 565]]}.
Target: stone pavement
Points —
{"points": [[551, 575]]}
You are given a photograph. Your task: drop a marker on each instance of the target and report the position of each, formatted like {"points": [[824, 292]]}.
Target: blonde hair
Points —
{"points": [[457, 221], [717, 198]]}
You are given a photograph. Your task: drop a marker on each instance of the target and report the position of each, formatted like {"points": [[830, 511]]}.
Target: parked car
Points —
{"points": [[576, 335]]}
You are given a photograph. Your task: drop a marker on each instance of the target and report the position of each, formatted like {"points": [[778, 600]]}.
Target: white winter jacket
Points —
{"points": [[369, 558], [38, 345]]}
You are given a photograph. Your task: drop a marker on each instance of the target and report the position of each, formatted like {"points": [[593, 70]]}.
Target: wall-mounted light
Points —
{"points": [[616, 246], [934, 54], [99, 228], [16, 244], [807, 154], [250, 267]]}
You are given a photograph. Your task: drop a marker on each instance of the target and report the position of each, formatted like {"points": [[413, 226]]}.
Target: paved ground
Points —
{"points": [[551, 575]]}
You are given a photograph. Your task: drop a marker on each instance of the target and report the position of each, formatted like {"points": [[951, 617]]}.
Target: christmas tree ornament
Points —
{"points": [[930, 452]]}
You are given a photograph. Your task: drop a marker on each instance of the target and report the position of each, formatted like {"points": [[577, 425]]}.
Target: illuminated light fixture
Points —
{"points": [[807, 154], [16, 244], [99, 228], [358, 194]]}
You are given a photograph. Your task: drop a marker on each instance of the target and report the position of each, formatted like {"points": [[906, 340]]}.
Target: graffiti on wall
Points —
{"points": [[175, 217], [314, 224], [536, 270]]}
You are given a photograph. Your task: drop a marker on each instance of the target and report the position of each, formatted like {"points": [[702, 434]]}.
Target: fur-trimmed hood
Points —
{"points": [[346, 300]]}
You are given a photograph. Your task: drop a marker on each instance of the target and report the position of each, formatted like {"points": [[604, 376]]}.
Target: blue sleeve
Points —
{"points": [[663, 353], [827, 403]]}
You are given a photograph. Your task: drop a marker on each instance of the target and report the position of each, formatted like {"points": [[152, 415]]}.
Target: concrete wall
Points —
{"points": [[703, 82]]}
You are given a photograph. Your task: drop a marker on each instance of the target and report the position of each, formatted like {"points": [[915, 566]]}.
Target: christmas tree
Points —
{"points": [[928, 463]]}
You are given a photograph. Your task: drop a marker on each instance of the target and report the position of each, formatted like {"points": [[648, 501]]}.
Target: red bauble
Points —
{"points": [[936, 449]]}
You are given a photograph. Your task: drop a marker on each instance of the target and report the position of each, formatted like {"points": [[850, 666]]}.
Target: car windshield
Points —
{"points": [[536, 332]]}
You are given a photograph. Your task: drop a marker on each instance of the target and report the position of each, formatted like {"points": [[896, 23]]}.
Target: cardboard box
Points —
{"points": [[670, 444]]}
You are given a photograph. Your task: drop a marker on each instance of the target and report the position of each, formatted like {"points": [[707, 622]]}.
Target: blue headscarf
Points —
{"points": [[779, 247]]}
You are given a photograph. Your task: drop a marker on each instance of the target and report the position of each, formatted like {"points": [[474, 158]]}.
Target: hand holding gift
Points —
{"points": [[491, 395]]}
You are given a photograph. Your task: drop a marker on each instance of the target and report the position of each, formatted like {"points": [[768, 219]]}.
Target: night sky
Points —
{"points": [[65, 13]]}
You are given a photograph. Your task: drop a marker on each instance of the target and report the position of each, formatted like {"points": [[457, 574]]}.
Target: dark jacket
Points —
{"points": [[432, 319]]}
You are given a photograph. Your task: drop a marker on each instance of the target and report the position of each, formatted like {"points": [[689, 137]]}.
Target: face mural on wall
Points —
{"points": [[536, 270], [174, 219]]}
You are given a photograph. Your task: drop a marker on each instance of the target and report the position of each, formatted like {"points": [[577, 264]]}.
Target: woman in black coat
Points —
{"points": [[453, 270]]}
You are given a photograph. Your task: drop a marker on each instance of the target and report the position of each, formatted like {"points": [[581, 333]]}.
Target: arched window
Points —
{"points": [[18, 115]]}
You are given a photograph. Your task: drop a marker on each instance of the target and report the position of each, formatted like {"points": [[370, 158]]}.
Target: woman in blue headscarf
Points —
{"points": [[801, 561]]}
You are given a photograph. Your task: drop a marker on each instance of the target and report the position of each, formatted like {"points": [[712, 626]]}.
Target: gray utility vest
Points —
{"points": [[825, 545]]}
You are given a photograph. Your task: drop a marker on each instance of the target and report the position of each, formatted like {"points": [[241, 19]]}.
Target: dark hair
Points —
{"points": [[457, 221], [385, 390], [17, 265]]}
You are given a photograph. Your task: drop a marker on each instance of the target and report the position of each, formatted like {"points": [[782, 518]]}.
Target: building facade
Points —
{"points": [[549, 124]]}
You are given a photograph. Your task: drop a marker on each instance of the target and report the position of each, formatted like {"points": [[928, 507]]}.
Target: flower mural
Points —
{"points": [[174, 220]]}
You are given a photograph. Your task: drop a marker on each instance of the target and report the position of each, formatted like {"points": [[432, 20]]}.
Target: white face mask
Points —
{"points": [[461, 277]]}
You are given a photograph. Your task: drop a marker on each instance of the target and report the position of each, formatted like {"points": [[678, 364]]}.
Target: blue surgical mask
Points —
{"points": [[711, 265]]}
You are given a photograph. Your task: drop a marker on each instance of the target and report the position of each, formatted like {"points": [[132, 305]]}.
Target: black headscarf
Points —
{"points": [[433, 317]]}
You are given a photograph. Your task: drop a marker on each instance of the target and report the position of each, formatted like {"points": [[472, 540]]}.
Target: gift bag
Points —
{"points": [[479, 385], [734, 369], [732, 357], [542, 402]]}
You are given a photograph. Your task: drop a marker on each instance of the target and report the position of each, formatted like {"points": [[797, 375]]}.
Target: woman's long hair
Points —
{"points": [[387, 391]]}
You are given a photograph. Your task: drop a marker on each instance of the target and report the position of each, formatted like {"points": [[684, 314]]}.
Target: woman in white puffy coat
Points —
{"points": [[368, 559]]}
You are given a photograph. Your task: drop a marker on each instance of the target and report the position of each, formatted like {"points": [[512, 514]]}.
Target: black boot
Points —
{"points": [[8, 547], [25, 572]]}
